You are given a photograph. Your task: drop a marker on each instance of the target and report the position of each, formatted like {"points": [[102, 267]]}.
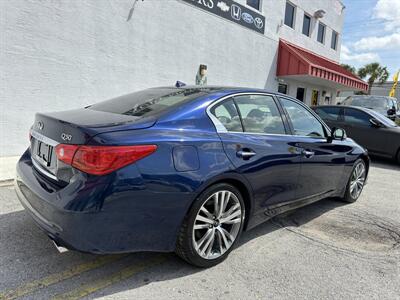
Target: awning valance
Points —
{"points": [[297, 62]]}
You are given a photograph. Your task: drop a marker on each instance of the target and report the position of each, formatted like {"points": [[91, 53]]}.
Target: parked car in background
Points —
{"points": [[385, 105], [181, 169], [370, 129]]}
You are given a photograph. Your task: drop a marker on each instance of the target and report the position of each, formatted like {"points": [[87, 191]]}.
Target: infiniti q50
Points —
{"points": [[181, 169]]}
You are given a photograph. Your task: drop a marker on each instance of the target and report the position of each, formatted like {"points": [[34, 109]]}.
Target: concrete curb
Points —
{"points": [[7, 168]]}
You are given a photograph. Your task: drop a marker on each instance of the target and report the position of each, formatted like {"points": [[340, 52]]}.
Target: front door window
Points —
{"points": [[304, 122]]}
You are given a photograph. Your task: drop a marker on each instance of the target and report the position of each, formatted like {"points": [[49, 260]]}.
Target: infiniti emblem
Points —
{"points": [[40, 125]]}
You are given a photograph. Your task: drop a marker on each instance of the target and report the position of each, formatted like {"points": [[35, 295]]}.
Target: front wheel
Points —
{"points": [[212, 226], [356, 182]]}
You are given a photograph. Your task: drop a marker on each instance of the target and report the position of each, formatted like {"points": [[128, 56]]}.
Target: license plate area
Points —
{"points": [[44, 153]]}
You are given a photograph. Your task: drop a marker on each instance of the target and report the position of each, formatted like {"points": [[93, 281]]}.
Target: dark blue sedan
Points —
{"points": [[181, 169]]}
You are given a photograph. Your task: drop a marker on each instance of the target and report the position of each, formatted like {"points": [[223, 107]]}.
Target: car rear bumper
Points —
{"points": [[122, 219]]}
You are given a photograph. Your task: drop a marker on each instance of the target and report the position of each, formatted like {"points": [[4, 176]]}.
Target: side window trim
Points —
{"points": [[239, 113], [221, 128], [285, 120], [326, 129], [341, 115]]}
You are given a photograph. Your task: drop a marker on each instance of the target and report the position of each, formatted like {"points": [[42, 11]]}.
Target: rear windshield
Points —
{"points": [[149, 102]]}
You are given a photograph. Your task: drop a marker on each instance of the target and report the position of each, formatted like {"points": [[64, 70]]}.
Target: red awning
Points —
{"points": [[294, 61]]}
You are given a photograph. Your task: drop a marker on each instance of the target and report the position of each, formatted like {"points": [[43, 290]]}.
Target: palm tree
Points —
{"points": [[375, 72], [349, 68]]}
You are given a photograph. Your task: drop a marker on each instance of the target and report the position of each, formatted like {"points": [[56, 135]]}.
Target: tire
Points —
{"points": [[357, 177], [222, 234]]}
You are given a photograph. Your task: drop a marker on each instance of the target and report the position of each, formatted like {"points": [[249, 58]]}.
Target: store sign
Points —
{"points": [[232, 11]]}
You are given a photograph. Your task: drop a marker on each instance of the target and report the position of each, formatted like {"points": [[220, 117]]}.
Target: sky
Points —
{"points": [[371, 33]]}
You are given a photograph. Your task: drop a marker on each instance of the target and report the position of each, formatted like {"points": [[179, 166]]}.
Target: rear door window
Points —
{"points": [[228, 116], [260, 114], [328, 113], [356, 117]]}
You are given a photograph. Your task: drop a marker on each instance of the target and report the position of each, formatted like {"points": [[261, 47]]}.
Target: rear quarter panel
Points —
{"points": [[169, 187]]}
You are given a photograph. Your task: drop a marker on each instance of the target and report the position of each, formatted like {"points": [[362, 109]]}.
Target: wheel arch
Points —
{"points": [[366, 160], [397, 156], [239, 182]]}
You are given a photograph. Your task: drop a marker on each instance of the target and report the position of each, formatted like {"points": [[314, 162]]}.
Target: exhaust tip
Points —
{"points": [[59, 248]]}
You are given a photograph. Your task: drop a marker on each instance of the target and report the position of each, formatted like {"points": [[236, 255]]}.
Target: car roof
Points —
{"points": [[370, 97], [225, 89]]}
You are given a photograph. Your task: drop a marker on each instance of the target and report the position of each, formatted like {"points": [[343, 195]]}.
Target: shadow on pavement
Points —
{"points": [[384, 163], [27, 253]]}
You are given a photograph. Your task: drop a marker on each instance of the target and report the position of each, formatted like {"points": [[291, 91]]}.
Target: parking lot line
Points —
{"points": [[58, 277], [113, 278]]}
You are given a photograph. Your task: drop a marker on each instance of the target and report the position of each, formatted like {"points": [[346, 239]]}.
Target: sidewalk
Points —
{"points": [[7, 167]]}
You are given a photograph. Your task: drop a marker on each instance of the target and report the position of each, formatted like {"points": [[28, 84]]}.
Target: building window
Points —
{"points": [[334, 40], [254, 4], [306, 25], [321, 33], [289, 14], [282, 88]]}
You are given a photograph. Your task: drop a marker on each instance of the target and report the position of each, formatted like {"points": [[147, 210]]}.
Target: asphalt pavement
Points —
{"points": [[328, 250]]}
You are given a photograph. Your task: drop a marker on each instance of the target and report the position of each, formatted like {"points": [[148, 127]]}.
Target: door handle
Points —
{"points": [[307, 153], [245, 154]]}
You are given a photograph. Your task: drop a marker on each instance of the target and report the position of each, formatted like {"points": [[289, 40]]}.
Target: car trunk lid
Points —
{"points": [[75, 127]]}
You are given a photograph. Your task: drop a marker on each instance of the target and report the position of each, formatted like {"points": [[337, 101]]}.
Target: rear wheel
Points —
{"points": [[356, 182], [212, 226]]}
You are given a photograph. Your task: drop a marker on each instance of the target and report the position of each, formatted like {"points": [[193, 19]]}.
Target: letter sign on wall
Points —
{"points": [[232, 11]]}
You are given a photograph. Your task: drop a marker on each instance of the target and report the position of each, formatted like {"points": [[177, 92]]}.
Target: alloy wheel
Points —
{"points": [[357, 180], [217, 224]]}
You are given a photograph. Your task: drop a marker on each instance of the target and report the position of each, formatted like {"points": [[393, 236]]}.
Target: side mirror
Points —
{"points": [[338, 134], [374, 122], [391, 111]]}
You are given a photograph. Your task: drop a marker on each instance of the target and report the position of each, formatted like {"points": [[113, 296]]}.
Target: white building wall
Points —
{"points": [[333, 19], [329, 92], [57, 55]]}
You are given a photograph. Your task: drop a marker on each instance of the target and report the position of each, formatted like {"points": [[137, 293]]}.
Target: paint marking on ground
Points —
{"points": [[6, 183], [35, 285], [113, 278]]}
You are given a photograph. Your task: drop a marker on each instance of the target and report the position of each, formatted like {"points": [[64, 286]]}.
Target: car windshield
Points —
{"points": [[150, 102], [378, 103], [387, 122]]}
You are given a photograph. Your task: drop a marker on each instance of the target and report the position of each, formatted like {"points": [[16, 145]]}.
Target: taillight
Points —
{"points": [[102, 160], [66, 153]]}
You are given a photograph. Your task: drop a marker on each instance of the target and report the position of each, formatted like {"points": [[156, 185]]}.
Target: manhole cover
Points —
{"points": [[346, 229]]}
